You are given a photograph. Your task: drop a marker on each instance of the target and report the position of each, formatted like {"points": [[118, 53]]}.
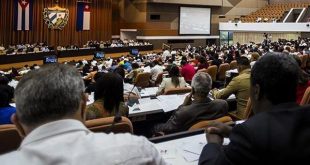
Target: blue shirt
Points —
{"points": [[6, 113]]}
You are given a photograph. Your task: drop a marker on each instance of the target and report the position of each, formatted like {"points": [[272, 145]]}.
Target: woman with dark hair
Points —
{"points": [[202, 63], [173, 81], [109, 100]]}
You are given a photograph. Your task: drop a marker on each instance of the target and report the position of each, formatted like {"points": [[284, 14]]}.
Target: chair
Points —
{"points": [[206, 123], [143, 80], [304, 59], [177, 91], [306, 98], [233, 64], [212, 71], [222, 71], [242, 115], [105, 125], [159, 79], [9, 138]]}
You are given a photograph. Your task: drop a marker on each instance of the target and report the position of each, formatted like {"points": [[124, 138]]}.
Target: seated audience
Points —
{"points": [[254, 58], [6, 110], [92, 86], [173, 81], [202, 63], [170, 64], [129, 89], [240, 86], [187, 71], [108, 98], [216, 61], [229, 58], [191, 112], [132, 75], [155, 71], [278, 133], [91, 75], [51, 120]]}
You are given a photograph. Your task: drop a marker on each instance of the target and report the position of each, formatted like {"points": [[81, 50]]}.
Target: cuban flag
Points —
{"points": [[23, 14], [83, 16]]}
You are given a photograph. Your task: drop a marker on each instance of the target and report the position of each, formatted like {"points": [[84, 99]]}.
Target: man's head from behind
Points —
{"points": [[201, 85], [243, 63], [50, 93], [274, 80]]}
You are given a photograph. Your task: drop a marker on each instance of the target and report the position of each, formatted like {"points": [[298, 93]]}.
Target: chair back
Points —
{"points": [[248, 109], [159, 79], [244, 114], [9, 138], [143, 80], [233, 64], [105, 125], [222, 71], [212, 71], [306, 98], [206, 123], [304, 59], [177, 91]]}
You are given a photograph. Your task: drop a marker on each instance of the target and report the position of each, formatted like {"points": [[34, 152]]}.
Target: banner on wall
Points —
{"points": [[56, 17], [23, 14], [83, 16]]}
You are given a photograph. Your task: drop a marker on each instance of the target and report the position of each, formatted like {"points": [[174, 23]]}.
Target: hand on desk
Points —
{"points": [[217, 131]]}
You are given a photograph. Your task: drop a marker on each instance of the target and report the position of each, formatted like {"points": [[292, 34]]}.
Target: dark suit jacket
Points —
{"points": [[185, 116], [279, 136]]}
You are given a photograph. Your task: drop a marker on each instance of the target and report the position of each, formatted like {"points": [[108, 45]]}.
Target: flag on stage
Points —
{"points": [[83, 16], [23, 14]]}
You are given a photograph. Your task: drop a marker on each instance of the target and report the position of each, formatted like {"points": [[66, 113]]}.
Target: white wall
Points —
{"points": [[265, 27]]}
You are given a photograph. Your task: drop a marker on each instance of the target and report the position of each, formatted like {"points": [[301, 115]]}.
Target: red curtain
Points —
{"points": [[101, 24]]}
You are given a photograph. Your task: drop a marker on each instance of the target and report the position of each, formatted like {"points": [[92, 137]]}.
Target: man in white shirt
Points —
{"points": [[155, 71], [50, 105]]}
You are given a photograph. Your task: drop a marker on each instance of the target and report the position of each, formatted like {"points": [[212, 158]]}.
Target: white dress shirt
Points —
{"points": [[155, 71], [70, 142]]}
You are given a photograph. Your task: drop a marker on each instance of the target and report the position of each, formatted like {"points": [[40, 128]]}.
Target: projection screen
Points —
{"points": [[194, 21]]}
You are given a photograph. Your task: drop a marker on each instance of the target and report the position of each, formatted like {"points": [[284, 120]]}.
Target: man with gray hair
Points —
{"points": [[50, 106], [197, 106]]}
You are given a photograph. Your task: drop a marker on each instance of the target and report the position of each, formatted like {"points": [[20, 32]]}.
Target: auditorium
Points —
{"points": [[154, 82]]}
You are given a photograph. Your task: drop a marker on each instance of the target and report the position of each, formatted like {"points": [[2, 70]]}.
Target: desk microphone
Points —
{"points": [[129, 102]]}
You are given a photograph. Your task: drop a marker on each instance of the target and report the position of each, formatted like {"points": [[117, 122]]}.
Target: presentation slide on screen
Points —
{"points": [[195, 20]]}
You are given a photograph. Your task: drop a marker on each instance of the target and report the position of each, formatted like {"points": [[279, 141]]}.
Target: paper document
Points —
{"points": [[171, 102], [190, 157], [90, 98], [167, 153], [148, 91], [151, 105], [194, 147]]}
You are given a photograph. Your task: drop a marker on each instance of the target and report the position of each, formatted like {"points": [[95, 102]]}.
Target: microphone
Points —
{"points": [[129, 102]]}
